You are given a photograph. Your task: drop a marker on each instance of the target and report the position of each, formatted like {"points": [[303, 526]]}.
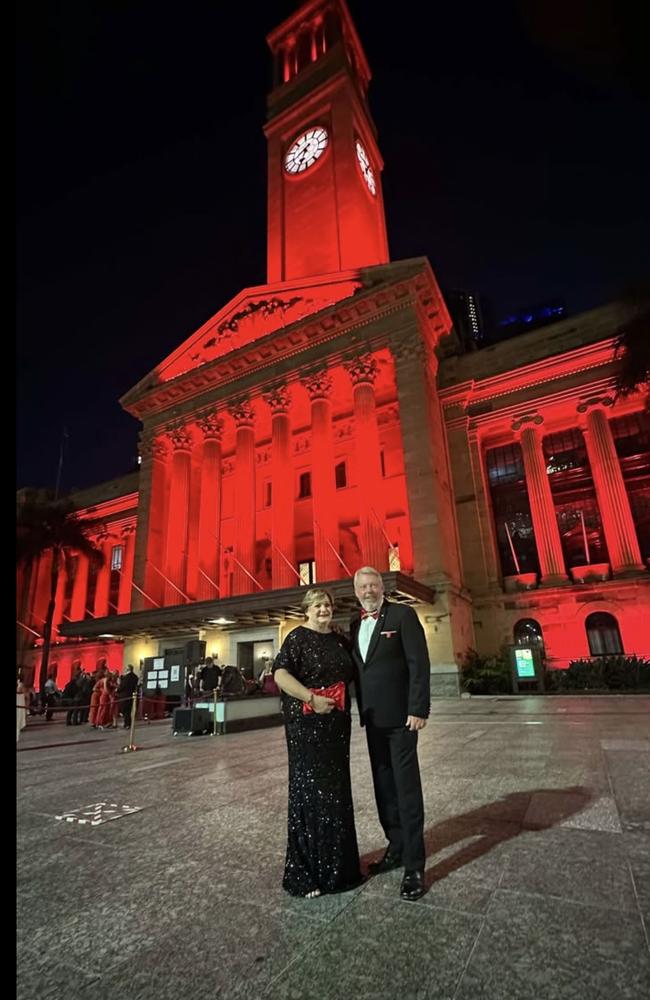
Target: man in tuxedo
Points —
{"points": [[390, 652]]}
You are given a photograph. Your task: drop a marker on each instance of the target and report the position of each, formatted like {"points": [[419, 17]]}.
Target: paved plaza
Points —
{"points": [[538, 864]]}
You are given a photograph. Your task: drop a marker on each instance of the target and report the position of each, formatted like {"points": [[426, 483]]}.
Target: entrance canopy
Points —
{"points": [[267, 607]]}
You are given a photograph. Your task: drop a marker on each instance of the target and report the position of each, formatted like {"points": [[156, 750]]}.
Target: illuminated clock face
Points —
{"points": [[366, 169], [305, 150]]}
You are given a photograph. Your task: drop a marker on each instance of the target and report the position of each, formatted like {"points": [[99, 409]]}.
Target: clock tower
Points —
{"points": [[325, 202]]}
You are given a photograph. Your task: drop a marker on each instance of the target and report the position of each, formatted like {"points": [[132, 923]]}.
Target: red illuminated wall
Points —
{"points": [[79, 598], [258, 516]]}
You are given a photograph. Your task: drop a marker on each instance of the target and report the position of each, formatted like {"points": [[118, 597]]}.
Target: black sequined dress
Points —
{"points": [[322, 850]]}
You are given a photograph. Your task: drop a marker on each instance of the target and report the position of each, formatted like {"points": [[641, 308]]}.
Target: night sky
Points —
{"points": [[516, 158]]}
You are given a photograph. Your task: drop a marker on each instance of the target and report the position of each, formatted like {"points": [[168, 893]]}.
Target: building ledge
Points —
{"points": [[266, 608]]}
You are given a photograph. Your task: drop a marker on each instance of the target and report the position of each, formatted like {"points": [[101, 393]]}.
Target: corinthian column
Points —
{"points": [[103, 577], [370, 487], [618, 524], [210, 510], [80, 589], [282, 489], [542, 508], [126, 577], [177, 519], [245, 533], [323, 487], [152, 523]]}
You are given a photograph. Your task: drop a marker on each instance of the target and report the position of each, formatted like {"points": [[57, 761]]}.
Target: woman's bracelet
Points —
{"points": [[310, 700]]}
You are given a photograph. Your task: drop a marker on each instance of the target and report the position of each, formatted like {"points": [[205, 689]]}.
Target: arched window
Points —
{"points": [[602, 634], [528, 632]]}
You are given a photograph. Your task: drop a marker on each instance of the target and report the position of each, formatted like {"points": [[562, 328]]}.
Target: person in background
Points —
{"points": [[265, 681], [50, 692], [21, 715], [210, 676], [128, 686]]}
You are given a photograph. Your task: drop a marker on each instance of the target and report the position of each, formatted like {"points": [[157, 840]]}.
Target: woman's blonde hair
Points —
{"points": [[313, 596]]}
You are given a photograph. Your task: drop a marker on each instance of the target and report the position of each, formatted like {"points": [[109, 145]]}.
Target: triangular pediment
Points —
{"points": [[252, 314], [265, 315]]}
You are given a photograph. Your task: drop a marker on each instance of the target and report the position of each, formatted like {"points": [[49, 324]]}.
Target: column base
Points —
{"points": [[635, 570], [519, 581], [554, 580], [590, 573]]}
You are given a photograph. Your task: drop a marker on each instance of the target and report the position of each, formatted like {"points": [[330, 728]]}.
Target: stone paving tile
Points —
{"points": [[514, 812], [534, 948], [227, 951], [592, 880], [381, 950], [640, 871]]}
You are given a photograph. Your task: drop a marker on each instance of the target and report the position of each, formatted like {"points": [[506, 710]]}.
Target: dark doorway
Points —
{"points": [[245, 658]]}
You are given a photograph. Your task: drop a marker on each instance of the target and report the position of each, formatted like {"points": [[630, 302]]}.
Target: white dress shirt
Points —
{"points": [[366, 628]]}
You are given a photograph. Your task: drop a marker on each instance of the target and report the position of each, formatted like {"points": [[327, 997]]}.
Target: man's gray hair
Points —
{"points": [[368, 571]]}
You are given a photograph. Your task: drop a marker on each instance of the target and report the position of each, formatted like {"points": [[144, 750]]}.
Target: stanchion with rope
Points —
{"points": [[134, 705]]}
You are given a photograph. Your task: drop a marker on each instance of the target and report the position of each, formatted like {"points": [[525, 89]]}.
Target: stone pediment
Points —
{"points": [[252, 314], [263, 324]]}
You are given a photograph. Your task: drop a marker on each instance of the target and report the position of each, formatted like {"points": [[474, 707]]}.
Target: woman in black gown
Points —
{"points": [[322, 852]]}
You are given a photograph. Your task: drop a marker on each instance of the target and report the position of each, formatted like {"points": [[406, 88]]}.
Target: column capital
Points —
{"points": [[103, 534], [408, 345], [318, 384], [151, 446], [211, 427], [527, 418], [242, 413], [279, 399], [180, 438], [586, 403], [362, 370]]}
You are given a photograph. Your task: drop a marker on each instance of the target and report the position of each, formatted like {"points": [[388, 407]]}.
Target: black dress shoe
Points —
{"points": [[412, 886], [386, 864]]}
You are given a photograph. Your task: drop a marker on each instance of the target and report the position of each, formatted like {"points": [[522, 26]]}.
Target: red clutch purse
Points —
{"points": [[335, 691]]}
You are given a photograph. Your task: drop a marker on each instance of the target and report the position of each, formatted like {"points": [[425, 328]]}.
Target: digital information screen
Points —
{"points": [[524, 664]]}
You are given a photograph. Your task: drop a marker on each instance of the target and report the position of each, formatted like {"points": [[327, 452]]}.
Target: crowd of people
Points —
{"points": [[206, 678], [101, 698], [98, 699]]}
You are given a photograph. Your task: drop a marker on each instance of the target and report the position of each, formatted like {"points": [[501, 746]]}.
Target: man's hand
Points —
{"points": [[414, 723]]}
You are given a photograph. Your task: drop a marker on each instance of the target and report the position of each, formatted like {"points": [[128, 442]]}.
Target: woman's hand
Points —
{"points": [[322, 705]]}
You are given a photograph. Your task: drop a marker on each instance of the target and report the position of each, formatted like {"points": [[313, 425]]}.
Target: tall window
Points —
{"points": [[632, 439], [304, 485], [117, 557], [603, 634], [528, 632], [574, 497], [341, 475], [307, 572], [268, 493], [394, 563], [511, 510]]}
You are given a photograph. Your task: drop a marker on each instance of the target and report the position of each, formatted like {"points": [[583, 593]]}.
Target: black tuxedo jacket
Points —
{"points": [[394, 680]]}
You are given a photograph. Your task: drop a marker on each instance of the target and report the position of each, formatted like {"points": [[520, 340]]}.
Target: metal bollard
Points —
{"points": [[134, 705]]}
